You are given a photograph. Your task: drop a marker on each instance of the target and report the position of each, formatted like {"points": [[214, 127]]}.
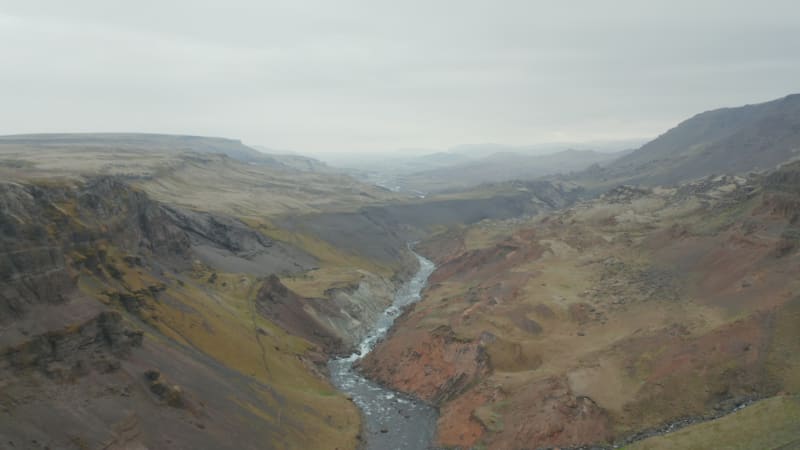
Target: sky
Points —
{"points": [[376, 76]]}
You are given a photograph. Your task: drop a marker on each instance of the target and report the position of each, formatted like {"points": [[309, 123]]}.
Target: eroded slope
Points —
{"points": [[610, 320], [119, 330]]}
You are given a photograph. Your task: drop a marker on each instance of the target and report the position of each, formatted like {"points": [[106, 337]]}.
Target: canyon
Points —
{"points": [[187, 292]]}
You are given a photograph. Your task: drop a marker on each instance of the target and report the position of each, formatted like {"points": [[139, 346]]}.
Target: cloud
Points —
{"points": [[379, 75]]}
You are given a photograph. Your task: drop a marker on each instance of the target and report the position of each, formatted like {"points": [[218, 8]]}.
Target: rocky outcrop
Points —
{"points": [[382, 233], [625, 194], [45, 233], [336, 322], [559, 419], [360, 306], [64, 354], [112, 210], [170, 394], [296, 314], [435, 366], [229, 245], [786, 179], [48, 233], [32, 263]]}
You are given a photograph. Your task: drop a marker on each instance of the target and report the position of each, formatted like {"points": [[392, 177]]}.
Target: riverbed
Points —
{"points": [[391, 420]]}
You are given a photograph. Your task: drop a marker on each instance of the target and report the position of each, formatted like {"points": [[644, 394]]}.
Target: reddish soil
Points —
{"points": [[433, 366], [603, 320], [457, 425], [548, 414]]}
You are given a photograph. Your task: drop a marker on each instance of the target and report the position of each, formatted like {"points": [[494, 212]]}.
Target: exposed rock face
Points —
{"points": [[40, 227], [65, 354], [359, 233], [359, 306], [625, 194], [786, 178], [95, 290], [448, 365], [107, 201], [337, 322], [444, 247], [32, 266], [231, 246], [728, 140], [382, 233], [296, 314], [170, 394]]}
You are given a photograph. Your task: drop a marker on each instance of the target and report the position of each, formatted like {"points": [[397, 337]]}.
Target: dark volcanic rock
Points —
{"points": [[72, 360], [278, 303], [73, 351]]}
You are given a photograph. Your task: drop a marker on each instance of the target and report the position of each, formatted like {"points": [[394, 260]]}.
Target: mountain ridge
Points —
{"points": [[731, 140], [149, 142]]}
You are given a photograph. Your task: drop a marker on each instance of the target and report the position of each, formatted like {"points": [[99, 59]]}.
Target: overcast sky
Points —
{"points": [[375, 75]]}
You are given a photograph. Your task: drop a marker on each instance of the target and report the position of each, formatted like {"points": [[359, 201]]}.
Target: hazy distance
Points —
{"points": [[376, 76]]}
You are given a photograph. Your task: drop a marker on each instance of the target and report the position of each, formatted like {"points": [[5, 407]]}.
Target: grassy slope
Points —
{"points": [[625, 355], [728, 140], [195, 180], [773, 423], [218, 318], [229, 187], [338, 267]]}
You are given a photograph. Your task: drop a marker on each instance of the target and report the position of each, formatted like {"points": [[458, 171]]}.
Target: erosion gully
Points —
{"points": [[392, 420]]}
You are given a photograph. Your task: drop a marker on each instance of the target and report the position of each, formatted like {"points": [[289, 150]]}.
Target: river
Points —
{"points": [[391, 420]]}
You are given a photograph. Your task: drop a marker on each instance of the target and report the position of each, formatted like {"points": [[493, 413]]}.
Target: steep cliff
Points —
{"points": [[128, 323]]}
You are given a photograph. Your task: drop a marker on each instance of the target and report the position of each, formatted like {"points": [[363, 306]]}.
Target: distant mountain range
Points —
{"points": [[161, 143], [467, 166], [137, 142], [728, 140], [502, 166], [722, 141], [487, 149]]}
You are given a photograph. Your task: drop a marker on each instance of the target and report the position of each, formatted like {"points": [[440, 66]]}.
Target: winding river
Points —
{"points": [[391, 420]]}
